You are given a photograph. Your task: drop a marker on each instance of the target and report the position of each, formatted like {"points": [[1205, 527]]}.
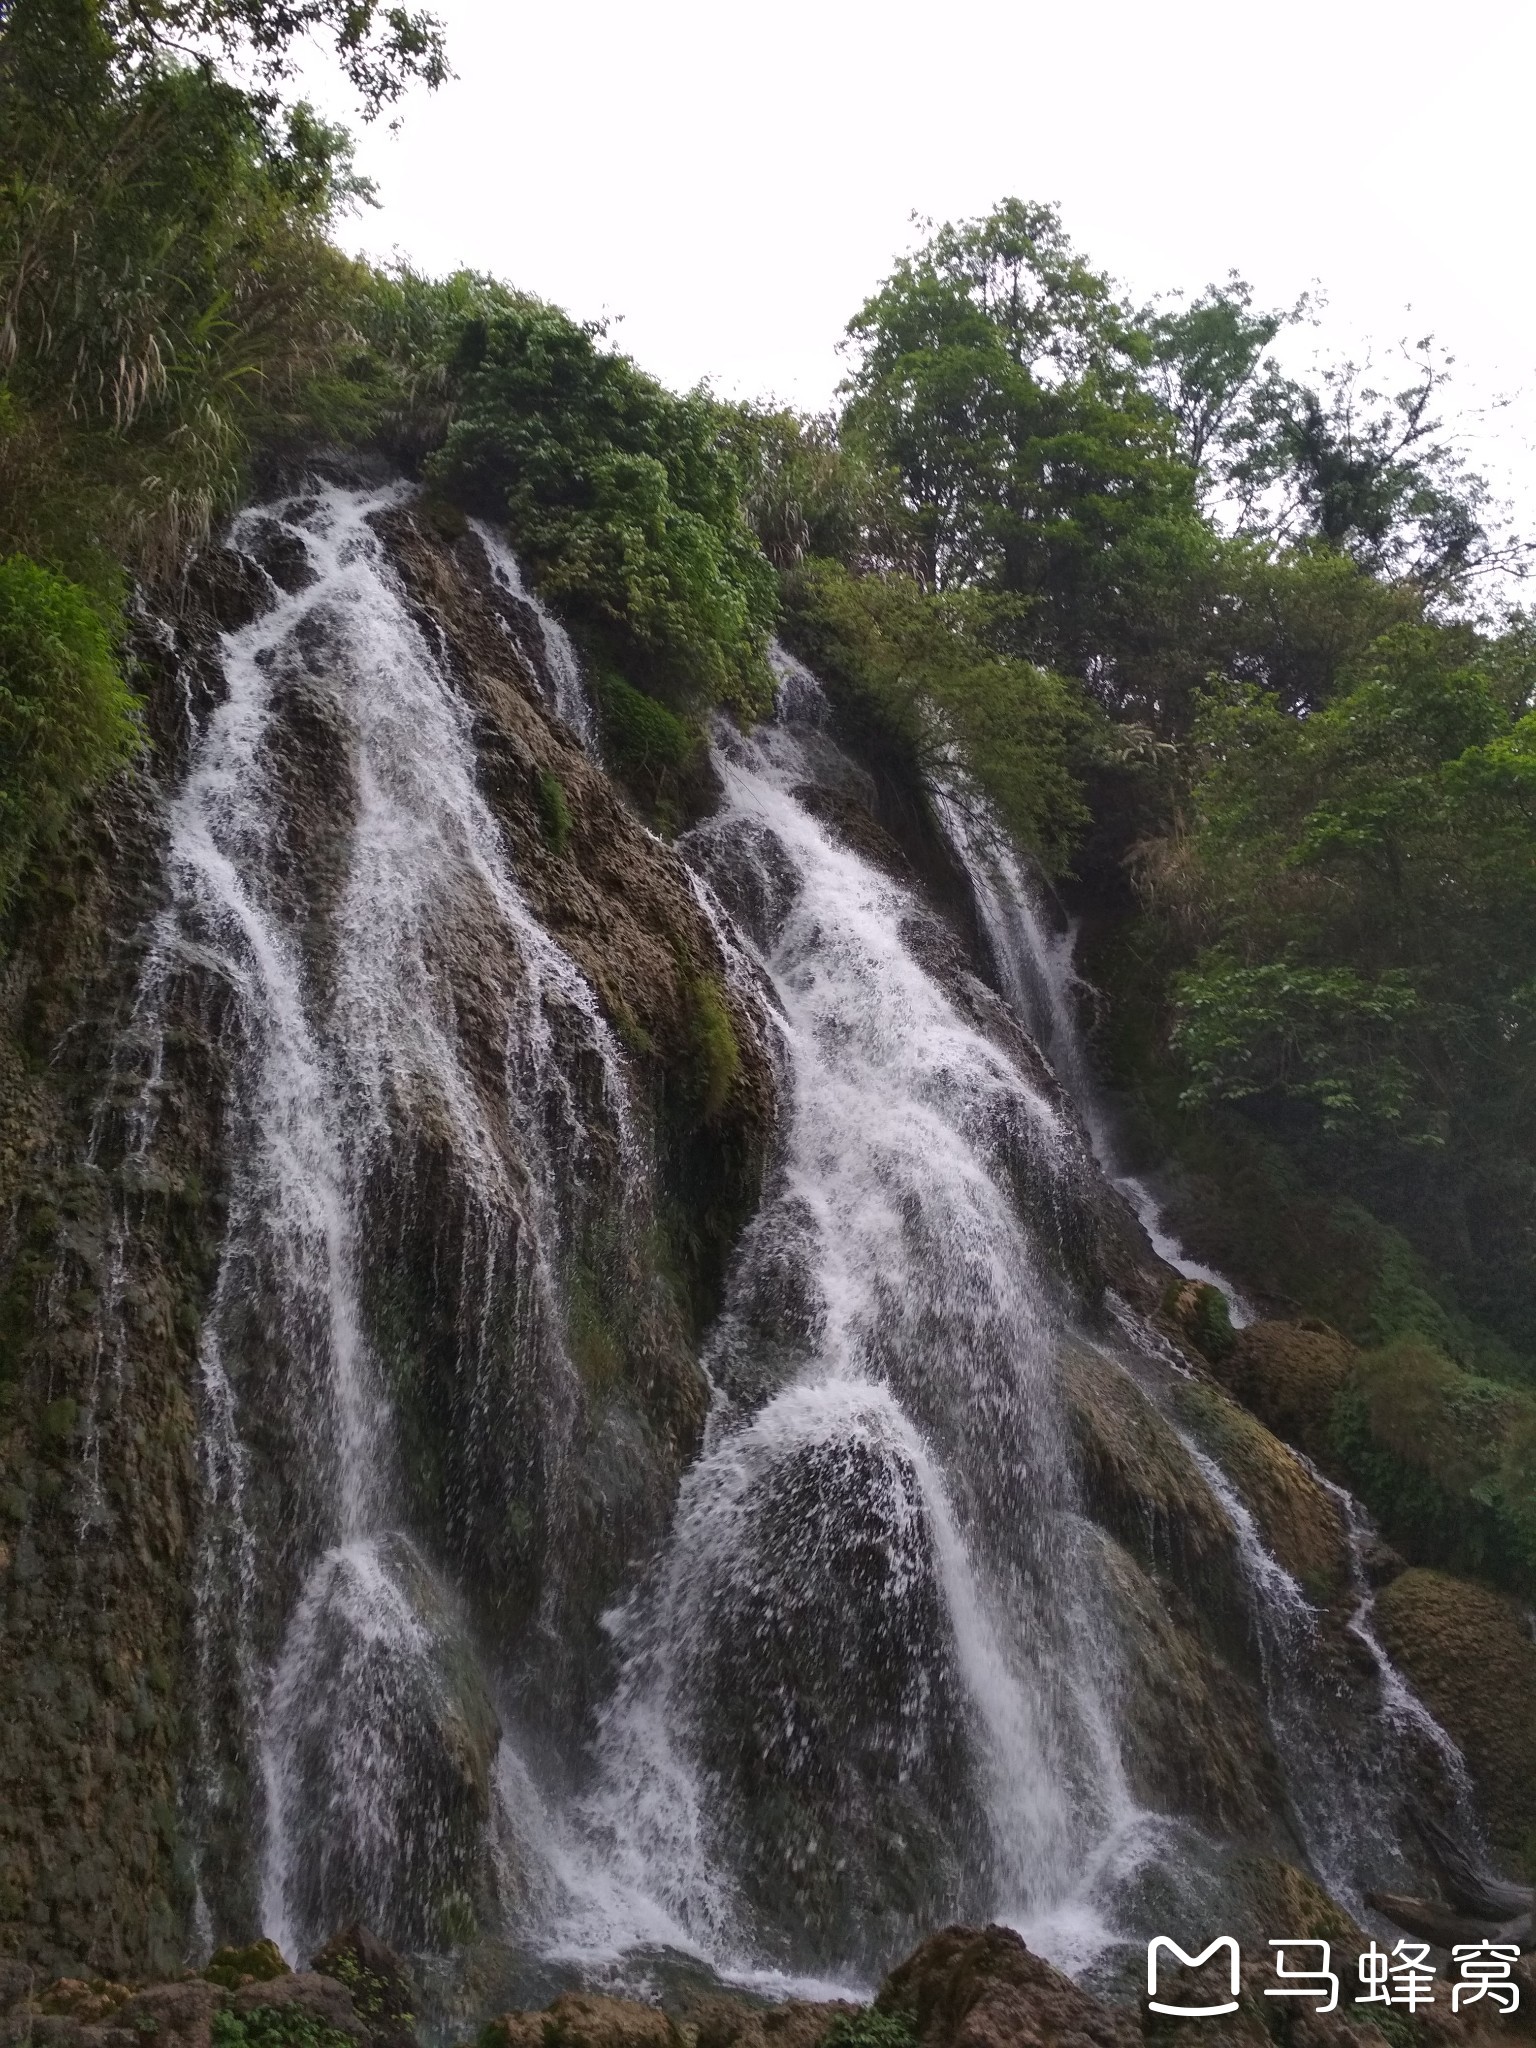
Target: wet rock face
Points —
{"points": [[614, 898], [114, 1205], [833, 1723], [105, 1258]]}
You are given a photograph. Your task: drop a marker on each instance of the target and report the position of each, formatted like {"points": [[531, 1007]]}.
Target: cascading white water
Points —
{"points": [[875, 1636], [871, 1680], [1034, 960], [1348, 1795], [562, 664], [328, 946]]}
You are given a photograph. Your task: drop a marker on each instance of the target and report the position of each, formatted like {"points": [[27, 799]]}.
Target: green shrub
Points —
{"points": [[871, 2029], [656, 754], [1444, 1458], [554, 811], [67, 718], [276, 2026], [621, 496]]}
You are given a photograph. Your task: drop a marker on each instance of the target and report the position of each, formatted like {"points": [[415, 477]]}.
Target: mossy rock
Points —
{"points": [[257, 1963], [1278, 1898], [720, 2022], [1469, 1654], [1140, 1480], [584, 2019], [1194, 1737], [982, 1986], [1199, 1312], [1288, 1374], [1299, 1521], [92, 2001]]}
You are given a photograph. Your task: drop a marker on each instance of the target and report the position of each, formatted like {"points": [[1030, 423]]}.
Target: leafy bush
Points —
{"points": [[871, 2029], [932, 678], [66, 716], [660, 756], [276, 2026], [1445, 1458], [621, 496]]}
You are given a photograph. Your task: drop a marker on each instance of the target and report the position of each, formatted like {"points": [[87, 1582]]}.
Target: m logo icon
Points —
{"points": [[1190, 2012]]}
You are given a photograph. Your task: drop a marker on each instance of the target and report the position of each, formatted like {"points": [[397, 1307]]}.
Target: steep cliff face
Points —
{"points": [[129, 1055], [565, 1389]]}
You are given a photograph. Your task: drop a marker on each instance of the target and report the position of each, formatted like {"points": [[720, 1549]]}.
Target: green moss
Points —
{"points": [[1298, 1520], [67, 718], [596, 1347], [258, 1962], [554, 811], [632, 1032], [56, 1424], [457, 1922], [715, 1053]]}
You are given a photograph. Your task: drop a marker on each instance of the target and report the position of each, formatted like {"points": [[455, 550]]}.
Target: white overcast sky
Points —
{"points": [[734, 179]]}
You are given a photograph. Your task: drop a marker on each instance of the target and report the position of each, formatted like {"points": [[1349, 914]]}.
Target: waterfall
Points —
{"points": [[870, 1683], [1034, 962], [1347, 1793], [568, 697], [318, 889]]}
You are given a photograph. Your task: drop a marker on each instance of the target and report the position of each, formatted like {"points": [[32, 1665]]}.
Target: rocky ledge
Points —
{"points": [[964, 1987]]}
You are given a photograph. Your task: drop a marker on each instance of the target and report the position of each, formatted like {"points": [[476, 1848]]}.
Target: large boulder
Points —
{"points": [[970, 1987], [178, 2015], [1144, 1487], [584, 2019], [1469, 1654]]}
